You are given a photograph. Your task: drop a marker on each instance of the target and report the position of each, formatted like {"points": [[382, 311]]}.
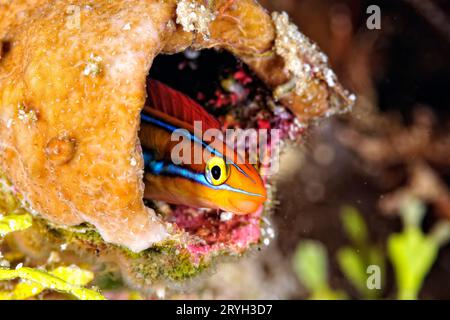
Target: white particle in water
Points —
{"points": [[270, 232], [191, 54], [160, 292], [20, 265], [226, 216]]}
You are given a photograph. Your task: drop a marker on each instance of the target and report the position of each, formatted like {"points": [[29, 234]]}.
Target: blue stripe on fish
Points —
{"points": [[151, 120], [159, 167]]}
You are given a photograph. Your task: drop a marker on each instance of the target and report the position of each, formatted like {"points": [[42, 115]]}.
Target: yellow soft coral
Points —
{"points": [[11, 223], [62, 279]]}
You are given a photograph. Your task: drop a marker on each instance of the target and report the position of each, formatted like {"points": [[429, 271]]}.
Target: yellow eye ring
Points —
{"points": [[217, 171]]}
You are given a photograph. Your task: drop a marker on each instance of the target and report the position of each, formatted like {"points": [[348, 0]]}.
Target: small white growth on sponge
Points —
{"points": [[194, 17]]}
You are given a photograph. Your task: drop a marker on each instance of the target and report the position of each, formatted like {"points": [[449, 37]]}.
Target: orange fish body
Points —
{"points": [[183, 168]]}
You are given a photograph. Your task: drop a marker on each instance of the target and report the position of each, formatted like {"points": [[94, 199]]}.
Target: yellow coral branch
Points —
{"points": [[11, 223], [46, 280]]}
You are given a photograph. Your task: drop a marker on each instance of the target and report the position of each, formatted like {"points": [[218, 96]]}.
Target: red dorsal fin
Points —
{"points": [[177, 105]]}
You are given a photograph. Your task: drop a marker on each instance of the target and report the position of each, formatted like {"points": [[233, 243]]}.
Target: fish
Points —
{"points": [[215, 181]]}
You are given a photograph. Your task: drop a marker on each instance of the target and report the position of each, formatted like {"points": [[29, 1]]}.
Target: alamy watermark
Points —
{"points": [[374, 277], [374, 20], [73, 13], [238, 146]]}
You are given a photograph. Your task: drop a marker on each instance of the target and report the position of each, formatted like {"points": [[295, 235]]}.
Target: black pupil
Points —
{"points": [[215, 171]]}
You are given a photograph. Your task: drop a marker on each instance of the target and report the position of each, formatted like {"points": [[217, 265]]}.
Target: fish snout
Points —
{"points": [[247, 205]]}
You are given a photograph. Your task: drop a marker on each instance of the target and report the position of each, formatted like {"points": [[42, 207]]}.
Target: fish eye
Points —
{"points": [[217, 171]]}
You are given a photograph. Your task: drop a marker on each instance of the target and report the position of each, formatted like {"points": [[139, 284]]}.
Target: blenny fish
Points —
{"points": [[217, 181]]}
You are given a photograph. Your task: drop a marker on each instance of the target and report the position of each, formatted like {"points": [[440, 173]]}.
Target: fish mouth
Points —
{"points": [[244, 207], [238, 99]]}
